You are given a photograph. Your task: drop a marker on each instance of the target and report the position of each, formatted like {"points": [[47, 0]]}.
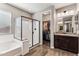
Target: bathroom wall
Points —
{"points": [[15, 12], [46, 17], [77, 7], [78, 17], [69, 7]]}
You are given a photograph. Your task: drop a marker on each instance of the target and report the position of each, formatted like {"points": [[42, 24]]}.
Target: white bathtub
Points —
{"points": [[8, 46], [11, 48]]}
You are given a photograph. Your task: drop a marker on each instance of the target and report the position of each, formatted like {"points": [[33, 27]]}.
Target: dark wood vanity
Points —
{"points": [[66, 42]]}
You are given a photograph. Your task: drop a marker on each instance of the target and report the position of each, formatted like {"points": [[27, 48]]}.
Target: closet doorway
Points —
{"points": [[46, 29]]}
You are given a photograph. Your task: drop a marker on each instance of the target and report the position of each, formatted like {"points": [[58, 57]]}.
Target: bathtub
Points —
{"points": [[9, 46]]}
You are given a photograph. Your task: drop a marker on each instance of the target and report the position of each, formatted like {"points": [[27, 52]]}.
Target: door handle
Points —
{"points": [[35, 29], [33, 32]]}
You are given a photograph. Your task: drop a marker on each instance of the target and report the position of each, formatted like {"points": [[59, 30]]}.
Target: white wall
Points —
{"points": [[77, 12], [69, 7], [46, 17], [52, 25]]}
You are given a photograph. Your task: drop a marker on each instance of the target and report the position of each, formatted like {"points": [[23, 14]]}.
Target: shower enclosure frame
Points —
{"points": [[32, 29], [32, 32]]}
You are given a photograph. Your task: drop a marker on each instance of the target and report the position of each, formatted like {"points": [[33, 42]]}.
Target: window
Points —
{"points": [[5, 22]]}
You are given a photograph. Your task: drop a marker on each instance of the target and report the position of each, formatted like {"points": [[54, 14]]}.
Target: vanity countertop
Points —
{"points": [[68, 34]]}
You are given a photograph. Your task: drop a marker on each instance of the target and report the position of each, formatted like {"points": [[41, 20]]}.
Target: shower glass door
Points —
{"points": [[17, 33], [27, 30], [35, 32]]}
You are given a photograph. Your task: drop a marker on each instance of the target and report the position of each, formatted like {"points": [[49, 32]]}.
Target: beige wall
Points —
{"points": [[46, 17], [15, 12], [69, 7]]}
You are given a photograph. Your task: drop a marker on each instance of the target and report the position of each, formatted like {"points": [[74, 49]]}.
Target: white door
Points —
{"points": [[27, 31], [35, 32]]}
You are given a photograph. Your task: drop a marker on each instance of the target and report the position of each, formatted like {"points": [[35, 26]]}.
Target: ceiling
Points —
{"points": [[36, 7]]}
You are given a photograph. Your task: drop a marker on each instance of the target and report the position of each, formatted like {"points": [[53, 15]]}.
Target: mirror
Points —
{"points": [[67, 24]]}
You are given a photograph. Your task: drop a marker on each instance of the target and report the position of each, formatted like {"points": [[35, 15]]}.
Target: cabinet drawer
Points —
{"points": [[58, 37]]}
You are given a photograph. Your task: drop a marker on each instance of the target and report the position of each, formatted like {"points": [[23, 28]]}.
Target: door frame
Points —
{"points": [[42, 31]]}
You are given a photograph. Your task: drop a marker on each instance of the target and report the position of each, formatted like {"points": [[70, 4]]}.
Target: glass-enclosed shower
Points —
{"points": [[27, 29]]}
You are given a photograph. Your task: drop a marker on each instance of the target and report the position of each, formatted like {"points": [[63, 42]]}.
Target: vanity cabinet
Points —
{"points": [[68, 43]]}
